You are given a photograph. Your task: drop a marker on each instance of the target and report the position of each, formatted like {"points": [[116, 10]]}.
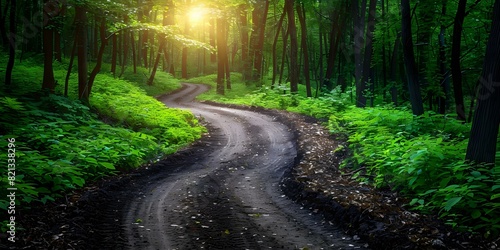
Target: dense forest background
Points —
{"points": [[413, 85]]}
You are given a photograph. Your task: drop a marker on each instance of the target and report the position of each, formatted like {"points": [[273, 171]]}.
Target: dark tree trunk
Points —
{"points": [[134, 56], [13, 42], [48, 48], [294, 67], [97, 67], [443, 71], [484, 132], [339, 19], [70, 67], [3, 30], [360, 88], [456, 71], [275, 43], [393, 73], [302, 18], [259, 17], [259, 49], [81, 37], [359, 33], [409, 59]]}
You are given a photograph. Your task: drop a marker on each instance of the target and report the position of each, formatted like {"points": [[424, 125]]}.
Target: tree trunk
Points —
{"points": [[484, 131], [70, 67], [302, 18], [275, 43], [443, 71], [245, 69], [360, 88], [134, 56], [456, 71], [114, 51], [221, 55], [293, 69], [185, 49], [100, 54], [211, 38], [13, 42], [48, 48], [409, 59], [81, 37]]}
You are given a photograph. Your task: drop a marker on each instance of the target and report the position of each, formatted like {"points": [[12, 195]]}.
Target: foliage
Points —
{"points": [[420, 157], [60, 142]]}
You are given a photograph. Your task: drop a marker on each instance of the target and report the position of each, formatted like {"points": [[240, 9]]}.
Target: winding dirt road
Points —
{"points": [[229, 198]]}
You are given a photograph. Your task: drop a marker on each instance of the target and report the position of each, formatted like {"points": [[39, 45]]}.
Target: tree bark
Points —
{"points": [[484, 131], [244, 41], [302, 18], [13, 42], [114, 51], [81, 37], [409, 59], [456, 71], [293, 69], [221, 54], [360, 88], [275, 43], [48, 48]]}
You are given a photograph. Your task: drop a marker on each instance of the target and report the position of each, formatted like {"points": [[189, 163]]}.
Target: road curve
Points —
{"points": [[230, 198]]}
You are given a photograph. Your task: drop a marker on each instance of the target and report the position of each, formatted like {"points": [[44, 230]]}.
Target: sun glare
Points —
{"points": [[196, 14]]}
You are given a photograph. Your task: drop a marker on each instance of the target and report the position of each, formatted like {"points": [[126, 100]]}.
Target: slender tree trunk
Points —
{"points": [[409, 58], [259, 49], [484, 131], [211, 38], [302, 18], [185, 49], [114, 51], [293, 70], [244, 41], [3, 30], [283, 53], [275, 43], [134, 56], [360, 88], [359, 33], [98, 65], [48, 48], [13, 42], [81, 37], [126, 38], [221, 55], [394, 62], [456, 71], [444, 72], [70, 67]]}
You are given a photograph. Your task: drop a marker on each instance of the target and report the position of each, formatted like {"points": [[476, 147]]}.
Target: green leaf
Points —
{"points": [[476, 214], [495, 187], [451, 202], [107, 165]]}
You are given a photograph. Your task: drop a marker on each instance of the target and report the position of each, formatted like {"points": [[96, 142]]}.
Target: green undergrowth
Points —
{"points": [[61, 144], [420, 157]]}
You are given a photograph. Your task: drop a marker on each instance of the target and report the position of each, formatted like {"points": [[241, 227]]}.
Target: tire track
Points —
{"points": [[232, 199]]}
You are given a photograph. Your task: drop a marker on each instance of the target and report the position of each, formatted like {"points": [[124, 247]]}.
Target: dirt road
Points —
{"points": [[229, 197]]}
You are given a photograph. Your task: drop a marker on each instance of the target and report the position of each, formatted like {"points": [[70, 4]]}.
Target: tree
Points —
{"points": [[484, 132], [13, 42], [293, 68], [409, 59], [456, 71], [81, 45], [49, 10], [302, 18]]}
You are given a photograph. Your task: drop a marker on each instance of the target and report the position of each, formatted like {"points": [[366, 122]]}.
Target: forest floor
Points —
{"points": [[259, 179]]}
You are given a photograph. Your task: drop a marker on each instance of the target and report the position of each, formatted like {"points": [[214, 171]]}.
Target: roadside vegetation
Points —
{"points": [[62, 144], [420, 157]]}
